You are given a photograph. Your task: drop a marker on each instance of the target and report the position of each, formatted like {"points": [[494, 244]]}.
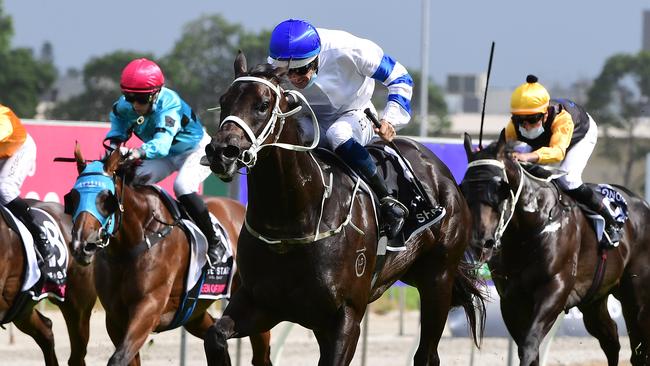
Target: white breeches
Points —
{"points": [[576, 159], [190, 172]]}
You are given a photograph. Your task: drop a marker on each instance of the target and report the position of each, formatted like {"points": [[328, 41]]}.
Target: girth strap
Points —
{"points": [[601, 266]]}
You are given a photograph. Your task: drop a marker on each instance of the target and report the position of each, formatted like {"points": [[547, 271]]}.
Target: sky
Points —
{"points": [[560, 41]]}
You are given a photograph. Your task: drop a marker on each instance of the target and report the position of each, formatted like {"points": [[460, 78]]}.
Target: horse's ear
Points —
{"points": [[501, 143], [467, 143], [502, 136], [113, 160], [81, 162], [280, 72], [240, 64]]}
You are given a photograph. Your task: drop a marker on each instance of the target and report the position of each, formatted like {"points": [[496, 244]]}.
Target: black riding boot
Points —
{"points": [[393, 212], [22, 211], [197, 209], [594, 200]]}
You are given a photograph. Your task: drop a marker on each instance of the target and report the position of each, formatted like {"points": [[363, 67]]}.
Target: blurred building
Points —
{"points": [[464, 94], [65, 87], [645, 37]]}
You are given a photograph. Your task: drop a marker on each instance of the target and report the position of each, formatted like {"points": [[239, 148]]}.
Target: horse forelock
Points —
{"points": [[487, 152], [233, 94], [266, 71]]}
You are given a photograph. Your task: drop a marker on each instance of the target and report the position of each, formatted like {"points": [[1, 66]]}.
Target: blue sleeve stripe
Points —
{"points": [[402, 101], [404, 79], [385, 68]]}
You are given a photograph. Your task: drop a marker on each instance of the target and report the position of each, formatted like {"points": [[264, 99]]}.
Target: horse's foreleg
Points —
{"points": [[599, 324], [114, 327], [548, 304], [77, 309], [39, 327], [76, 313], [261, 345], [241, 318], [337, 344], [199, 326], [142, 320]]}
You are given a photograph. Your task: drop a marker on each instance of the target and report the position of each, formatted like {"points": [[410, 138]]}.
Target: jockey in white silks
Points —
{"points": [[336, 72]]}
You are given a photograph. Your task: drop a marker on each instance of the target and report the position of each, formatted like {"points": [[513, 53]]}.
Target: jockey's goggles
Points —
{"points": [[301, 71], [140, 98], [532, 119]]}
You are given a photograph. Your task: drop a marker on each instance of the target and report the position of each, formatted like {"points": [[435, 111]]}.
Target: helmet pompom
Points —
{"points": [[529, 98]]}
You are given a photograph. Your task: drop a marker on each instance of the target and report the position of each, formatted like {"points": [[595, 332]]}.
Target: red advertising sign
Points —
{"points": [[52, 179]]}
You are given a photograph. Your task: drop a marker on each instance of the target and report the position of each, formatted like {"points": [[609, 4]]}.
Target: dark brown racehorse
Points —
{"points": [[545, 260], [308, 251], [141, 291], [80, 292]]}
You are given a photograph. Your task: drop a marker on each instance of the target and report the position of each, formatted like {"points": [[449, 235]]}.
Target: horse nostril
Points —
{"points": [[89, 248], [489, 243], [231, 152]]}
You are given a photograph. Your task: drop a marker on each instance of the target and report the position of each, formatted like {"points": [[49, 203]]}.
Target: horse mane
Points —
{"points": [[127, 169], [491, 151], [266, 71], [487, 152]]}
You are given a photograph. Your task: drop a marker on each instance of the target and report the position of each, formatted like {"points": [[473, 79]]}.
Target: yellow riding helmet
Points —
{"points": [[529, 98]]}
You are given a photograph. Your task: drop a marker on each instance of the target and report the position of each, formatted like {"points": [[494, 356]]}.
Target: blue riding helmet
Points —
{"points": [[294, 43]]}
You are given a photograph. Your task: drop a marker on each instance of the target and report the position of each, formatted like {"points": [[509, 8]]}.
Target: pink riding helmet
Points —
{"points": [[141, 76]]}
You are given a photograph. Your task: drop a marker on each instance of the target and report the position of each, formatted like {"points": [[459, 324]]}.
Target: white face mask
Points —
{"points": [[533, 133], [312, 80]]}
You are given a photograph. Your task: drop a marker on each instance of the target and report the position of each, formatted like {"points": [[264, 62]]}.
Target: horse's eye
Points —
{"points": [[106, 203], [264, 107]]}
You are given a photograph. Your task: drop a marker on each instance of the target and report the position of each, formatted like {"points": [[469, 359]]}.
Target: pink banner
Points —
{"points": [[52, 179]]}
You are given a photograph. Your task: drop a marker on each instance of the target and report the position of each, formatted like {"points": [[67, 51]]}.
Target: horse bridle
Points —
{"points": [[105, 234], [248, 157]]}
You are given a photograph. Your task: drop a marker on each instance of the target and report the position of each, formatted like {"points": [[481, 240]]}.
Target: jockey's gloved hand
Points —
{"points": [[135, 154]]}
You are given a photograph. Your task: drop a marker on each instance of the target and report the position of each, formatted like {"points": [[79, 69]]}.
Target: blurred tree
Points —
{"points": [[200, 66], [23, 77], [438, 121], [6, 30], [619, 98], [101, 78]]}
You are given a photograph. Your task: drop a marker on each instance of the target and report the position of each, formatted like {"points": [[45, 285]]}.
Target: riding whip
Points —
{"points": [[487, 82], [393, 146]]}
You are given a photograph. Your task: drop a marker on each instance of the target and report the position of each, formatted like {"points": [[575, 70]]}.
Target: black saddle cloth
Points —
{"points": [[422, 213]]}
